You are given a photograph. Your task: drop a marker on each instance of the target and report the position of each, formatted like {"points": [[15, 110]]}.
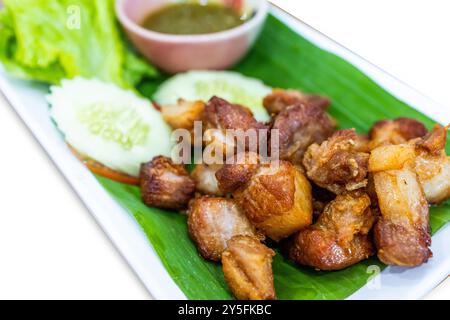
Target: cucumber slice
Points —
{"points": [[108, 124], [202, 85]]}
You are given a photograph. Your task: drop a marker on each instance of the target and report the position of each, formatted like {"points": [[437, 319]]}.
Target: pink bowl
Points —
{"points": [[177, 53]]}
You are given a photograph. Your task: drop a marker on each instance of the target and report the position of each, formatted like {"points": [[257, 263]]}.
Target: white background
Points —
{"points": [[50, 247]]}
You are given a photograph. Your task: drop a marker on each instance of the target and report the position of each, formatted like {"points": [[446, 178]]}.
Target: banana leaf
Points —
{"points": [[281, 58]]}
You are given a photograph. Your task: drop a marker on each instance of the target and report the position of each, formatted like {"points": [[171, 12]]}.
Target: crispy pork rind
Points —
{"points": [[276, 197], [337, 164], [396, 131], [165, 184], [402, 234], [391, 157], [339, 238], [183, 114], [433, 165], [280, 99], [247, 267], [212, 222], [299, 126], [205, 179], [426, 156]]}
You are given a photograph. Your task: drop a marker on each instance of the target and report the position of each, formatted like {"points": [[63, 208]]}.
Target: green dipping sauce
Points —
{"points": [[192, 18]]}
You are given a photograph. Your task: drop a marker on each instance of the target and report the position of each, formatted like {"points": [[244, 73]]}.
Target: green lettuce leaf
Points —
{"points": [[50, 40]]}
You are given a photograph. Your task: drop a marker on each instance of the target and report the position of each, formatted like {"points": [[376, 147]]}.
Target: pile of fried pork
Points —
{"points": [[335, 199]]}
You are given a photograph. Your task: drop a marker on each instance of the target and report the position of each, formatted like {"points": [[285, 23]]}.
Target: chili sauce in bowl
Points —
{"points": [[177, 36], [193, 18]]}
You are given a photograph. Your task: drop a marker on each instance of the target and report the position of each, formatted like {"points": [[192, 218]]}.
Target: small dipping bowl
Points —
{"points": [[177, 53]]}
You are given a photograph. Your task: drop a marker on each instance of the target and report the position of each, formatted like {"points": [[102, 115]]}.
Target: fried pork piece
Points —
{"points": [[205, 179], [247, 267], [391, 157], [396, 131], [299, 126], [279, 99], [433, 165], [219, 116], [214, 221], [402, 234], [276, 197], [339, 238], [183, 114], [165, 184], [337, 164], [426, 156], [233, 176]]}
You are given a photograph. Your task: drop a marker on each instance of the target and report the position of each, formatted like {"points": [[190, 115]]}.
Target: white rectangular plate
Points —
{"points": [[28, 99]]}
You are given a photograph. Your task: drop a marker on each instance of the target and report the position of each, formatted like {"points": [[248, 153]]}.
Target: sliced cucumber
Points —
{"points": [[202, 85], [108, 124]]}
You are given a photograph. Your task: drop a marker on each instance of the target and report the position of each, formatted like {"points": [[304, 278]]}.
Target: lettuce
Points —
{"points": [[48, 40]]}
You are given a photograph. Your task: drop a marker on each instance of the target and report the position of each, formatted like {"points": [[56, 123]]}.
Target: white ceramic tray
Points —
{"points": [[394, 283]]}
